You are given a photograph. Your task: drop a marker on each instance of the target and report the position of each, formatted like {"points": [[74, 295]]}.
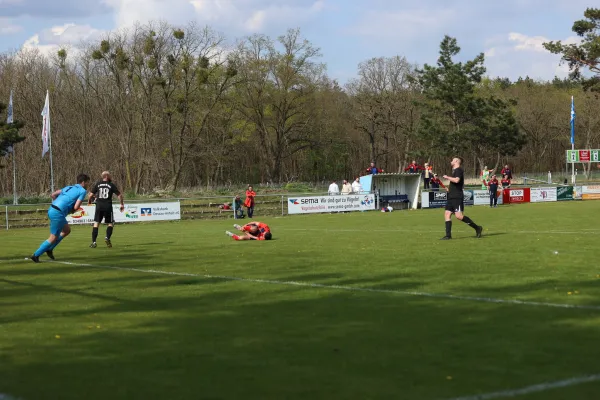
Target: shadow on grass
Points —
{"points": [[172, 339]]}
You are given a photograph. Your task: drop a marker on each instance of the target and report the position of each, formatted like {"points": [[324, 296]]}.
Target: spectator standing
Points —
{"points": [[373, 170], [436, 183], [413, 168], [493, 188], [346, 187], [507, 171], [249, 202], [356, 186], [427, 175], [334, 189]]}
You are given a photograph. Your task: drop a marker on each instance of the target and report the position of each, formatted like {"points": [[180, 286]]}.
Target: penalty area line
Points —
{"points": [[341, 287], [540, 387]]}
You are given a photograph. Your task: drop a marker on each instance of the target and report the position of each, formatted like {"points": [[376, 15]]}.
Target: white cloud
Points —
{"points": [[519, 55], [227, 15], [7, 27], [402, 24], [49, 41]]}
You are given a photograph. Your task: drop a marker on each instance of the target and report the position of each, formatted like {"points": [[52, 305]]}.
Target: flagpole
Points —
{"points": [[15, 198], [50, 149], [572, 137]]}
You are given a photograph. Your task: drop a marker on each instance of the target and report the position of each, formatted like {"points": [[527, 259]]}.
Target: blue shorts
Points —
{"points": [[57, 221]]}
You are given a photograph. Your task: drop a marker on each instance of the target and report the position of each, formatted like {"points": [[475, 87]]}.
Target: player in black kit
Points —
{"points": [[103, 192], [455, 203]]}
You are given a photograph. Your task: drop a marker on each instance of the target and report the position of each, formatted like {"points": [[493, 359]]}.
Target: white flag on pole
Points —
{"points": [[46, 127], [9, 119]]}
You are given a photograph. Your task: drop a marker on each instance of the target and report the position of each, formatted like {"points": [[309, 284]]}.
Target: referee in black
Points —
{"points": [[103, 192], [455, 203]]}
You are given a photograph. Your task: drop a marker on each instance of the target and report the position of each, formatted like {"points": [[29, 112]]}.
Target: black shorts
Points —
{"points": [[455, 205], [105, 214]]}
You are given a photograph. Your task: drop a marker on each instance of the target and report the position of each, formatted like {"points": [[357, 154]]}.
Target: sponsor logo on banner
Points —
{"points": [[439, 196], [80, 213], [591, 196], [325, 204], [591, 189], [564, 193], [543, 194], [145, 212], [131, 212]]}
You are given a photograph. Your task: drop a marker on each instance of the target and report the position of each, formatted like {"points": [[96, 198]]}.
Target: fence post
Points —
{"points": [[234, 209], [282, 206], [6, 215]]}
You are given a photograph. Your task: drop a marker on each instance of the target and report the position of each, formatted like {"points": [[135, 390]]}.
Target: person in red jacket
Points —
{"points": [[505, 182], [436, 183], [249, 202], [252, 231], [413, 168], [506, 171]]}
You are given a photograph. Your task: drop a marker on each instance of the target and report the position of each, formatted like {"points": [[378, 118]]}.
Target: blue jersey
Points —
{"points": [[68, 197]]}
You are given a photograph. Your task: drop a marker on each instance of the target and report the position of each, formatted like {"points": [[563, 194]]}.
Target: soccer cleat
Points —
{"points": [[236, 226], [35, 259], [93, 245], [50, 254], [229, 233], [446, 238], [478, 231], [107, 241]]}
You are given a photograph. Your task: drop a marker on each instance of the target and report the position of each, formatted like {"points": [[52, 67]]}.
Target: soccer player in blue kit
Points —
{"points": [[64, 202]]}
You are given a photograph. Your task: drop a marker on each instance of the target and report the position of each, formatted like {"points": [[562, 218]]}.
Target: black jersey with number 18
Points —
{"points": [[104, 193], [456, 189]]}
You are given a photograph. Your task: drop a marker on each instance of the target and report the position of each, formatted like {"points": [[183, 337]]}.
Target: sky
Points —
{"points": [[509, 32]]}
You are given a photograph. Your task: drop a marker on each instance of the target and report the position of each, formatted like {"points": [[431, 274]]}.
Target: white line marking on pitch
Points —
{"points": [[438, 231], [339, 287], [541, 387]]}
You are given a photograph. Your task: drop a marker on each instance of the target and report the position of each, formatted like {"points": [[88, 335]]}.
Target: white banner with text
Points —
{"points": [[139, 212], [327, 204]]}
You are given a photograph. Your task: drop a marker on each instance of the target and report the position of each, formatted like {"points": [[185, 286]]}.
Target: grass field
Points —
{"points": [[351, 306]]}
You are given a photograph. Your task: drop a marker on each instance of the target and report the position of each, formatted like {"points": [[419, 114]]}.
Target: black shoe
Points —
{"points": [[93, 245], [107, 241], [35, 259], [50, 254], [478, 231], [446, 238]]}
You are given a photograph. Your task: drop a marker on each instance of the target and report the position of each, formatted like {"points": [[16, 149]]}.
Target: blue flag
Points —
{"points": [[572, 121]]}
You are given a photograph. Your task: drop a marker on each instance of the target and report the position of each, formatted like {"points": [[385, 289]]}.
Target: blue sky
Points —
{"points": [[510, 32]]}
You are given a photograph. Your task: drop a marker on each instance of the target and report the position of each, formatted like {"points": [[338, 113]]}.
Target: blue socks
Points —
{"points": [[43, 248], [60, 238], [47, 246]]}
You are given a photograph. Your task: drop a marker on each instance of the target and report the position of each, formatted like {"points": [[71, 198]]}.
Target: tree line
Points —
{"points": [[171, 108]]}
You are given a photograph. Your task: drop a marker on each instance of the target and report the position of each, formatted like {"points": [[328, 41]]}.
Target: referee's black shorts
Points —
{"points": [[105, 214], [455, 205]]}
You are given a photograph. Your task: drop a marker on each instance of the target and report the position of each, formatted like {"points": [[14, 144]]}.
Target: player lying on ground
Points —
{"points": [[64, 202], [103, 193], [252, 231]]}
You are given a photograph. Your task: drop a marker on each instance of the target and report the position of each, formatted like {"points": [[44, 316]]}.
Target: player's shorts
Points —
{"points": [[105, 214], [455, 205], [57, 221]]}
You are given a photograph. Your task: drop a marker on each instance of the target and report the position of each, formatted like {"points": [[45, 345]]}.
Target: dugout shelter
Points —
{"points": [[401, 190]]}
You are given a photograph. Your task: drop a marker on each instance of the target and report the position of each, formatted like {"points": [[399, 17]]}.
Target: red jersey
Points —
{"points": [[262, 229]]}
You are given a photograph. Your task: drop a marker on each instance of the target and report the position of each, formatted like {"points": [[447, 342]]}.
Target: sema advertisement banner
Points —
{"points": [[140, 212], [326, 204], [565, 193]]}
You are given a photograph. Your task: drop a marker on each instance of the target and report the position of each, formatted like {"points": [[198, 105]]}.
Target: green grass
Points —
{"points": [[131, 334]]}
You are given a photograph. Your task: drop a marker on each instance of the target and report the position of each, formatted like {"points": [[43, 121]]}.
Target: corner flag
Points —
{"points": [[46, 125], [572, 121]]}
